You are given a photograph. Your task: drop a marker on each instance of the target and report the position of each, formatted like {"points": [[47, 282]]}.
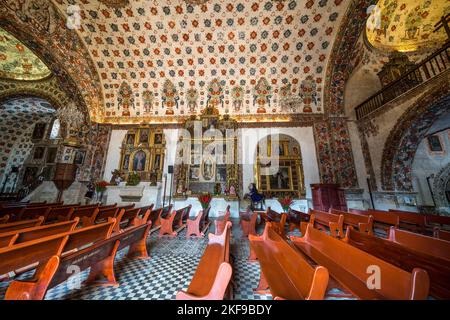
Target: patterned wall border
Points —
{"points": [[404, 138], [439, 185]]}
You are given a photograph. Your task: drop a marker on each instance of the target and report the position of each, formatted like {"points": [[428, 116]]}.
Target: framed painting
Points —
{"points": [[282, 180], [38, 131]]}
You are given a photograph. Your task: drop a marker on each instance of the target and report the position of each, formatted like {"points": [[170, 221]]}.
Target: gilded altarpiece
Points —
{"points": [[143, 152]]}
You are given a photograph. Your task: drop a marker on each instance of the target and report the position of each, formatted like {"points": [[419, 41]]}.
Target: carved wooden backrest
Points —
{"points": [[33, 213], [410, 217], [384, 217], [365, 222], [54, 213], [395, 283], [421, 243], [441, 234], [24, 254], [205, 216], [298, 215], [88, 235], [6, 227], [104, 214], [166, 211], [85, 212], [435, 219], [178, 216], [185, 214], [155, 214]]}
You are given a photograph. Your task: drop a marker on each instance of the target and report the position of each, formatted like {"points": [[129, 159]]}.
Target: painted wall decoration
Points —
{"points": [[406, 25], [125, 99], [261, 95], [309, 95], [192, 99], [148, 100], [18, 62], [170, 97], [215, 94], [237, 94]]}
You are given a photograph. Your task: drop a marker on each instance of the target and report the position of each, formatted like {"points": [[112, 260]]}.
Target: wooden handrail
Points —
{"points": [[428, 68]]}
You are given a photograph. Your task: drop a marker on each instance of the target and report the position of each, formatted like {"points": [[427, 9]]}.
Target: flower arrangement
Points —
{"points": [[285, 202], [205, 199], [133, 179], [101, 186]]}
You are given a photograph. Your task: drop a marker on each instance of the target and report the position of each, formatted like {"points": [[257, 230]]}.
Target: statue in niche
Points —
{"points": [[192, 97], [262, 95], [148, 100], [237, 94], [169, 97], [139, 161], [125, 99]]}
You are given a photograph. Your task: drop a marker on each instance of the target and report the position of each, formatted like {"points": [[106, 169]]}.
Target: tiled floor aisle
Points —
{"points": [[170, 268]]}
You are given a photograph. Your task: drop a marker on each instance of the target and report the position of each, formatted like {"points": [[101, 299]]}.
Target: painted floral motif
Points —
{"points": [[237, 94], [215, 94], [308, 93], [192, 98], [148, 99], [169, 97], [262, 95], [125, 99]]}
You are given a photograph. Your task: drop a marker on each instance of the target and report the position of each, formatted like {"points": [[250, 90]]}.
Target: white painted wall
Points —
{"points": [[113, 156]]}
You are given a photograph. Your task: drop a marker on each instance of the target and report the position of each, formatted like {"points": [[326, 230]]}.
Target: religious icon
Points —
{"points": [[39, 131], [130, 139], [157, 163], [158, 138], [139, 161], [194, 173], [281, 180], [38, 153], [126, 162], [434, 143], [143, 136], [51, 155], [208, 169], [221, 175], [79, 157]]}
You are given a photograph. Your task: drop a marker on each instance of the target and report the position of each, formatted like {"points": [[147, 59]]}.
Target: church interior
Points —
{"points": [[224, 150]]}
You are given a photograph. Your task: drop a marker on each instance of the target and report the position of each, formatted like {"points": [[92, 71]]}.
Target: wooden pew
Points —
{"points": [[412, 221], [248, 222], [441, 234], [101, 215], [199, 225], [327, 222], [381, 219], [443, 222], [173, 224], [362, 223], [295, 219], [85, 214], [221, 221], [278, 220], [421, 243], [28, 234], [4, 219], [129, 217], [352, 269], [84, 238], [284, 271], [6, 227], [166, 211], [155, 218], [405, 258], [54, 214], [213, 272], [44, 251]]}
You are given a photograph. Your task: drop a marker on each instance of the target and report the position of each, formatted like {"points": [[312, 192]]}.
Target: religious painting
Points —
{"points": [[221, 174], [126, 162], [38, 153], [194, 173], [208, 169], [51, 155], [157, 162], [143, 136], [130, 139], [158, 138], [29, 175], [39, 131], [79, 157], [281, 180], [434, 143], [139, 161]]}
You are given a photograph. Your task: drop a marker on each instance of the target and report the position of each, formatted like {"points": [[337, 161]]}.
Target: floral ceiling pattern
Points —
{"points": [[166, 59], [18, 62], [406, 25]]}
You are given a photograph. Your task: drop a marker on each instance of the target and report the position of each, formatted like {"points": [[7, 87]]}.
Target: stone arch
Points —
{"points": [[440, 182], [403, 140], [43, 30]]}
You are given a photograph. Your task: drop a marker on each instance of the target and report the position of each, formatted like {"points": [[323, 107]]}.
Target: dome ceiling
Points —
{"points": [[18, 62], [161, 61], [406, 25]]}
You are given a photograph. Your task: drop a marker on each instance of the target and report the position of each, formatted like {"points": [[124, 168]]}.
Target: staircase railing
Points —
{"points": [[427, 69]]}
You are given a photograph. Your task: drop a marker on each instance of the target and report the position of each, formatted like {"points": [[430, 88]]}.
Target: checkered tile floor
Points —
{"points": [[170, 269]]}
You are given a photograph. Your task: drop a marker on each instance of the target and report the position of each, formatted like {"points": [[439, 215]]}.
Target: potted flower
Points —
{"points": [[286, 203], [100, 188], [133, 179], [205, 199]]}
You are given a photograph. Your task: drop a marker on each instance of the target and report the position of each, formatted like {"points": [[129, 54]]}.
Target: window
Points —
{"points": [[54, 134], [434, 143]]}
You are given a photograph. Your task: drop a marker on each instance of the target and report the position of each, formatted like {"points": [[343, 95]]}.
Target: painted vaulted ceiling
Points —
{"points": [[164, 60], [18, 62], [407, 25]]}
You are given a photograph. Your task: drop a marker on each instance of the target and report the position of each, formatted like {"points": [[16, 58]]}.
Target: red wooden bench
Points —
{"points": [[421, 243], [381, 219], [173, 223], [199, 225], [278, 220], [129, 217], [28, 234], [100, 216], [405, 258], [441, 234], [221, 221], [6, 227], [412, 221], [327, 222], [284, 271], [443, 222], [4, 219], [351, 268], [361, 222], [213, 273], [248, 222], [295, 219]]}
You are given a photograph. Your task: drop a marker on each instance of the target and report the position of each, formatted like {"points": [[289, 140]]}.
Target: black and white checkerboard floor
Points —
{"points": [[170, 269]]}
